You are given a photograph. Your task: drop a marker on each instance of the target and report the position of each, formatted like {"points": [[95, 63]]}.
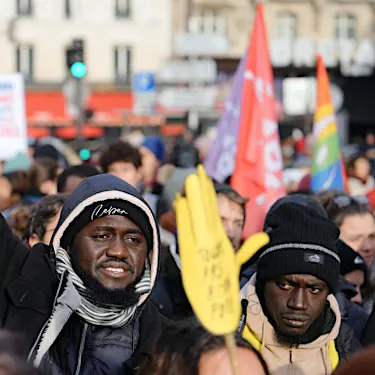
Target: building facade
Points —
{"points": [[285, 19], [120, 37], [341, 30]]}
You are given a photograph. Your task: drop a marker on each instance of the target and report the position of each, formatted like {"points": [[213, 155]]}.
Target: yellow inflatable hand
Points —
{"points": [[210, 267]]}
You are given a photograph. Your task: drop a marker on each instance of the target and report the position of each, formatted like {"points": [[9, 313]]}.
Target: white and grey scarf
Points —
{"points": [[98, 315]]}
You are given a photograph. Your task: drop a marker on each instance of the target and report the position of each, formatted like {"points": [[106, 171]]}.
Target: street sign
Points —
{"points": [[185, 71], [196, 44], [144, 93], [187, 98]]}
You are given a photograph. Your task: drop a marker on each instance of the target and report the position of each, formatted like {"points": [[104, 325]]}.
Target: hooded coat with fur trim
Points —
{"points": [[39, 305]]}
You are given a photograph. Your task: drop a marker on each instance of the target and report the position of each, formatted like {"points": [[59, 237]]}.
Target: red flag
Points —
{"points": [[258, 171], [344, 174]]}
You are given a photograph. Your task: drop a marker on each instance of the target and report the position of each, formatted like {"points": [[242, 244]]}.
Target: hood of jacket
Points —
{"points": [[99, 188], [306, 359]]}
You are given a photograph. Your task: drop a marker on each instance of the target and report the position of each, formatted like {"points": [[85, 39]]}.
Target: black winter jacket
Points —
{"points": [[30, 290]]}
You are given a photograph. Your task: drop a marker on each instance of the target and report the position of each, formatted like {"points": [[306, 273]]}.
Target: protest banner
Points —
{"points": [[13, 133]]}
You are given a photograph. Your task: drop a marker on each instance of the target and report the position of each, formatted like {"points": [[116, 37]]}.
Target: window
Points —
{"points": [[122, 8], [24, 7], [123, 64], [68, 9], [24, 59], [208, 21], [286, 26], [345, 26]]}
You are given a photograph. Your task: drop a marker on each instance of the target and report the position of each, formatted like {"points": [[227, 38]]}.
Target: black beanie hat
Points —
{"points": [[301, 199], [108, 208], [349, 259], [301, 242]]}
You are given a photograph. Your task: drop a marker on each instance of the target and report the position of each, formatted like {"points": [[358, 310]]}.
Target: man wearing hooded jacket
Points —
{"points": [[292, 318], [82, 303]]}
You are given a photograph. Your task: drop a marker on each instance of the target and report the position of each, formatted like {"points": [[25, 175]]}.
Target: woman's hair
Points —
{"points": [[181, 346], [43, 169], [42, 212], [330, 200], [19, 220], [19, 182]]}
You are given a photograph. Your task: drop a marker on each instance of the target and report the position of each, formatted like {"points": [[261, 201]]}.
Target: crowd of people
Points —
{"points": [[90, 271]]}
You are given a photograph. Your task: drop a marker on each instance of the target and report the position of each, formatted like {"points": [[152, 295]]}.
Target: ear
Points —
{"points": [[68, 248], [34, 239], [48, 187]]}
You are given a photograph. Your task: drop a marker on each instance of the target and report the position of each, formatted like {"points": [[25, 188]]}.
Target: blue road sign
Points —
{"points": [[144, 82]]}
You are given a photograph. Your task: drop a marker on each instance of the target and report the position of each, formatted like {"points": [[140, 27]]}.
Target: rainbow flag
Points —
{"points": [[327, 164]]}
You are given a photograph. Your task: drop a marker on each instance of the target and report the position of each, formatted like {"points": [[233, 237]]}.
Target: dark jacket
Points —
{"points": [[368, 337], [169, 294], [351, 313], [346, 343], [185, 156], [30, 291]]}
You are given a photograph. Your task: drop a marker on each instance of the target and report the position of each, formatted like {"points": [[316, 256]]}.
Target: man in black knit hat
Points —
{"points": [[82, 304], [292, 317]]}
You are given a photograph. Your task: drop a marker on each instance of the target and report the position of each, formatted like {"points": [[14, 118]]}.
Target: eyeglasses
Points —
{"points": [[342, 201]]}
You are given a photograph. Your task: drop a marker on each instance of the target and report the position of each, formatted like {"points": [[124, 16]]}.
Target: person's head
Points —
{"points": [[153, 154], [188, 349], [43, 175], [70, 178], [44, 217], [297, 270], [353, 268], [188, 136], [355, 220], [370, 139], [123, 161], [13, 187], [46, 151], [232, 210], [19, 220], [359, 166], [108, 235]]}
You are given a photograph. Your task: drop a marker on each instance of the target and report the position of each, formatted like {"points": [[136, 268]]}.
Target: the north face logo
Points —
{"points": [[314, 258]]}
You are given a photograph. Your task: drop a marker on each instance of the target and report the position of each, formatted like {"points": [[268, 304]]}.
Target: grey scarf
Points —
{"points": [[97, 315]]}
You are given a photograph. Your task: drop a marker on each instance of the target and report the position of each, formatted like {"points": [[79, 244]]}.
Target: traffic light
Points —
{"points": [[75, 59], [85, 154]]}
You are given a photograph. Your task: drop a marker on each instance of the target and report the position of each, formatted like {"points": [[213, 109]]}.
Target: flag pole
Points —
{"points": [[230, 343]]}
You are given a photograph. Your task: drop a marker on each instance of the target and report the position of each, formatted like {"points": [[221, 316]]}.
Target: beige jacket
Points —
{"points": [[309, 359]]}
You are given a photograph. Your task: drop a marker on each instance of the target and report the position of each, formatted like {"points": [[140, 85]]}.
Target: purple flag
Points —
{"points": [[220, 161]]}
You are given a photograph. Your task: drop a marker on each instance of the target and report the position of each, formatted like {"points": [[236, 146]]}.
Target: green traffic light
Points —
{"points": [[85, 154], [78, 69]]}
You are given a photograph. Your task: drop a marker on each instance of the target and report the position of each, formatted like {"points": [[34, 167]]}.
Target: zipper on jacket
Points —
{"points": [[81, 347], [290, 356]]}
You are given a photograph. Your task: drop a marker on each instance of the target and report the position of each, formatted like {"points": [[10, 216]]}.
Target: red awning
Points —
{"points": [[173, 130], [88, 132], [38, 132], [48, 107], [45, 107]]}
